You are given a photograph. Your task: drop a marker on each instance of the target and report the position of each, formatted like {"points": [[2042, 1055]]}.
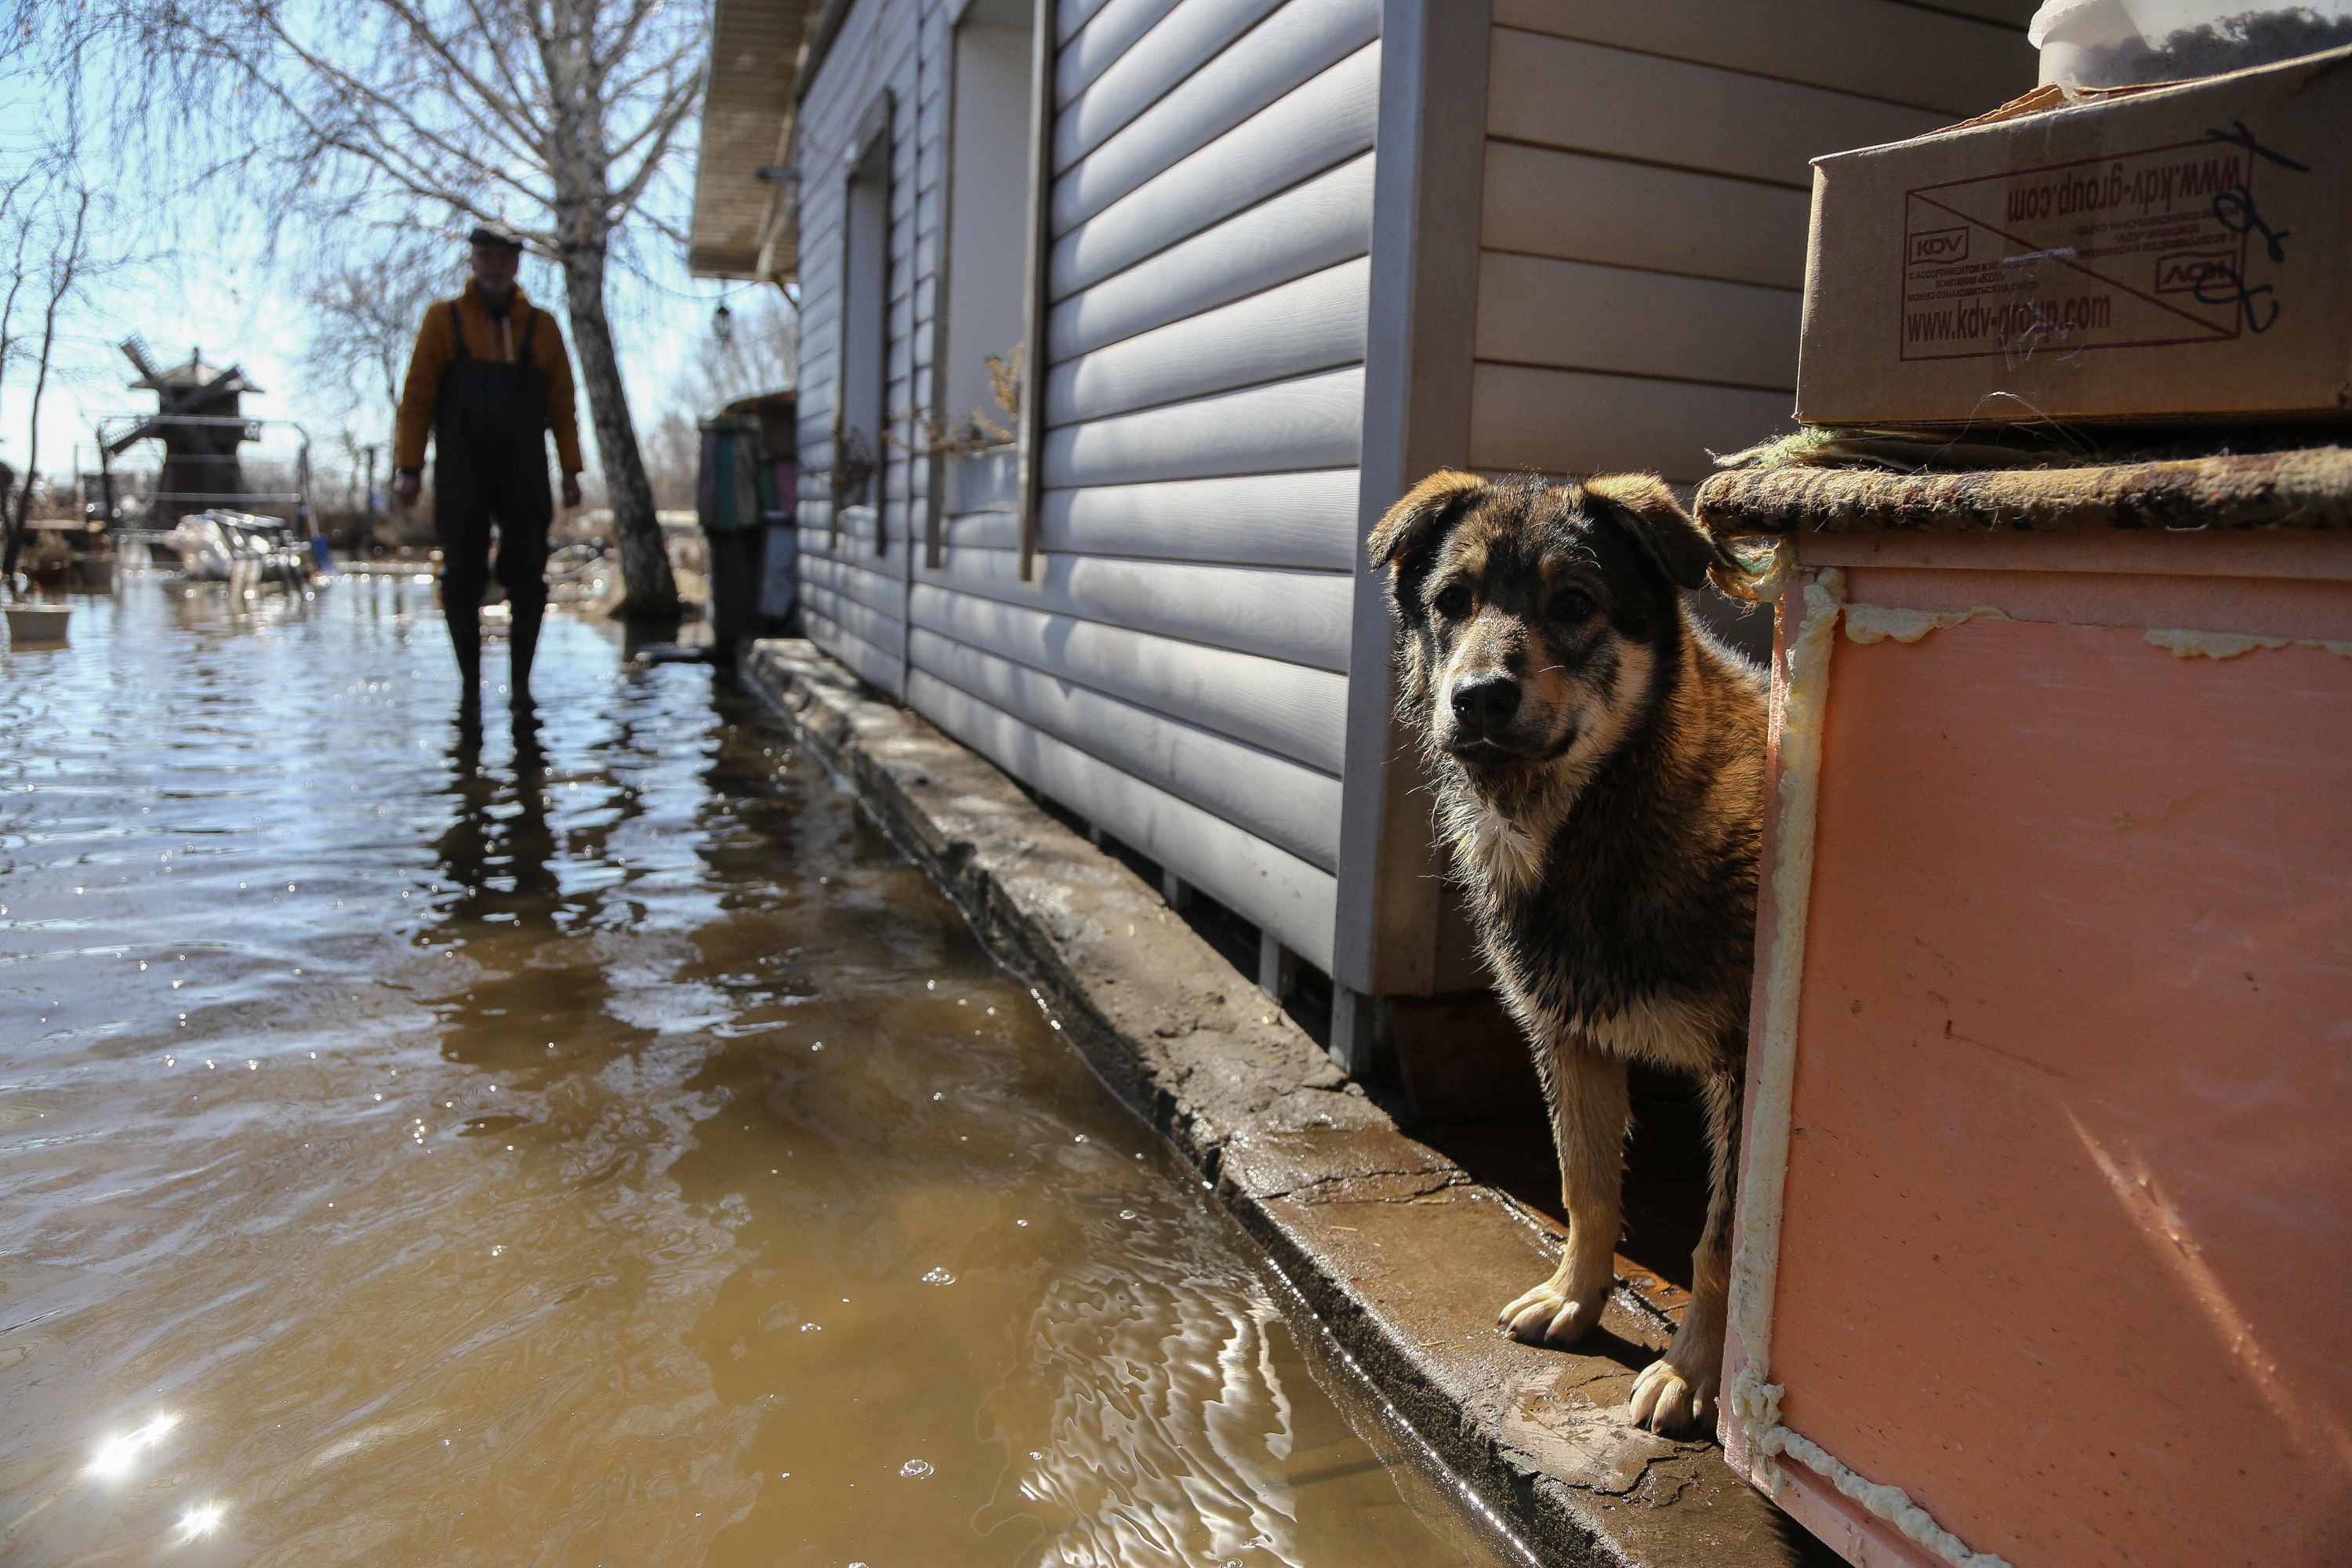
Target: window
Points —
{"points": [[860, 420], [988, 256]]}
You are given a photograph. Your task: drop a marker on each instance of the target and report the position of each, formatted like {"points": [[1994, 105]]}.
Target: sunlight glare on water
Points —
{"points": [[418, 1152]]}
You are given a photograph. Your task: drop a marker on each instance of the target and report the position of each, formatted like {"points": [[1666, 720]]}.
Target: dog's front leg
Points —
{"points": [[1679, 1388], [1584, 1090]]}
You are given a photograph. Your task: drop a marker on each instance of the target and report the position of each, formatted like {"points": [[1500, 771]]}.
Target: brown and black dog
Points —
{"points": [[1598, 761]]}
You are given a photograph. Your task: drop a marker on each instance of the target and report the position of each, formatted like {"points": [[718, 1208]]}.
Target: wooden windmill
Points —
{"points": [[198, 419]]}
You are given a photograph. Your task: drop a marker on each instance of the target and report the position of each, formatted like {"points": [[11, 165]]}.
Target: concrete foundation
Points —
{"points": [[1396, 1249]]}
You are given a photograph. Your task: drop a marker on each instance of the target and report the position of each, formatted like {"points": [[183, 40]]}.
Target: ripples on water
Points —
{"points": [[412, 1153]]}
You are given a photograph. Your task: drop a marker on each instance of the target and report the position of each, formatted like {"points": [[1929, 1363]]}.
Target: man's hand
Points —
{"points": [[406, 486], [570, 489]]}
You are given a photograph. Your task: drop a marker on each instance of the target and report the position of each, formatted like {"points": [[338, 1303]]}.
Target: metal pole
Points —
{"points": [[302, 485]]}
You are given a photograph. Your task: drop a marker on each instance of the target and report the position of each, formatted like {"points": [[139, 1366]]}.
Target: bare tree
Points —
{"points": [[69, 263], [561, 118], [758, 352], [364, 318], [674, 456], [363, 314]]}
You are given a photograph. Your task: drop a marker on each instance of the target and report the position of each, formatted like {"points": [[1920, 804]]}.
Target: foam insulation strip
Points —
{"points": [[1889, 1504], [1755, 1265], [2229, 645], [1878, 623], [1753, 1402]]}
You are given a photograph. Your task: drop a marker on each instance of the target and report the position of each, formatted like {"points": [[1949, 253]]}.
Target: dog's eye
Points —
{"points": [[1570, 605], [1451, 600]]}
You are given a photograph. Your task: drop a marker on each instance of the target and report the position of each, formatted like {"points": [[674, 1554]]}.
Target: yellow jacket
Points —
{"points": [[491, 338]]}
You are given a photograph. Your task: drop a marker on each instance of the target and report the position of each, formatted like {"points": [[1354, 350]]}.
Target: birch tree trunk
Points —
{"points": [[651, 591]]}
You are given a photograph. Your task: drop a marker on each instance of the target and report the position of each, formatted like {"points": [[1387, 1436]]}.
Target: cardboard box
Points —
{"points": [[2180, 252]]}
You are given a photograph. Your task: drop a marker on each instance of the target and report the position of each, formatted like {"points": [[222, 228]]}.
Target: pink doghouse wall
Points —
{"points": [[2068, 1204]]}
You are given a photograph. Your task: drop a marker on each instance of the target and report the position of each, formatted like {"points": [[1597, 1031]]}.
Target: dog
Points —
{"points": [[1598, 759]]}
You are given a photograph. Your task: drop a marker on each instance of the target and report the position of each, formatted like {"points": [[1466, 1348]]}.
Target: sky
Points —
{"points": [[210, 284]]}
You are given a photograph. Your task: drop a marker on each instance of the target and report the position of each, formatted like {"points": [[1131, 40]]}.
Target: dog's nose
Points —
{"points": [[1485, 700]]}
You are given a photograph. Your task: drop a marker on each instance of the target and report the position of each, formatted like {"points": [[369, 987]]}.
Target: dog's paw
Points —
{"points": [[1553, 1313], [1667, 1399]]}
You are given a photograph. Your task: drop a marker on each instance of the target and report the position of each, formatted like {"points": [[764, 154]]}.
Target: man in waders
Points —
{"points": [[487, 381]]}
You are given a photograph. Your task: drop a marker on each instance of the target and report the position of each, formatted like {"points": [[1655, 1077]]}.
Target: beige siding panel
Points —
{"points": [[1580, 208], [1299, 617], [1929, 59], [1324, 122], [1557, 92], [1303, 38], [1184, 39], [1262, 884], [1575, 316], [2013, 14], [1315, 422], [1285, 709], [1306, 228], [1300, 520], [1269, 797], [1564, 421], [1314, 323]]}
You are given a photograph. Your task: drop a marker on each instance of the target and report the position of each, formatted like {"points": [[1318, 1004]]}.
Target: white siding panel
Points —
{"points": [[1907, 54], [875, 667], [1306, 228], [979, 530], [1547, 203], [874, 582], [1313, 323], [882, 631], [1563, 421], [1316, 422], [1069, 15], [1110, 33], [1264, 884], [1303, 38], [1574, 315], [1301, 520], [1559, 93], [1270, 797], [849, 624], [1327, 121], [1297, 616], [1184, 39], [1296, 712]]}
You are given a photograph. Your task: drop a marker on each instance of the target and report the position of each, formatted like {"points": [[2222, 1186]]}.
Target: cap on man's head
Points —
{"points": [[495, 234]]}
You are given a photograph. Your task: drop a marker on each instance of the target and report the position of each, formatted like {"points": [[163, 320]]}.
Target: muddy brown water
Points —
{"points": [[412, 1153]]}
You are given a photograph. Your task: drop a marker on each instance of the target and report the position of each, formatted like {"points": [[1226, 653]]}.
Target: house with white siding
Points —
{"points": [[1123, 320]]}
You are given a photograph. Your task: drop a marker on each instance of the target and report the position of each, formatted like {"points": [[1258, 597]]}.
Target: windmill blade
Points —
{"points": [[135, 348], [146, 429]]}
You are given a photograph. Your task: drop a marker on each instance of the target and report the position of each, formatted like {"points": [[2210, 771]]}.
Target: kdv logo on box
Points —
{"points": [[1939, 245]]}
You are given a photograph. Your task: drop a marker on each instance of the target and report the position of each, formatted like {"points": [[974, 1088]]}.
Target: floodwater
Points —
{"points": [[412, 1153]]}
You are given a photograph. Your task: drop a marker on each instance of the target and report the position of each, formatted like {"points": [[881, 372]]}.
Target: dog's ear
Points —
{"points": [[1414, 523], [1647, 510]]}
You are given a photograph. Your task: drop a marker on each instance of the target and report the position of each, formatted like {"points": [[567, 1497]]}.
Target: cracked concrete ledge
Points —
{"points": [[1400, 1253]]}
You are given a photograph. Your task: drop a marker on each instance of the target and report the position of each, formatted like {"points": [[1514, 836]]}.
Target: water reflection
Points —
{"points": [[587, 1143]]}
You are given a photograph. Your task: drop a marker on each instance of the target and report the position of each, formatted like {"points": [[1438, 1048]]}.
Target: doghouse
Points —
{"points": [[2048, 1187]]}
